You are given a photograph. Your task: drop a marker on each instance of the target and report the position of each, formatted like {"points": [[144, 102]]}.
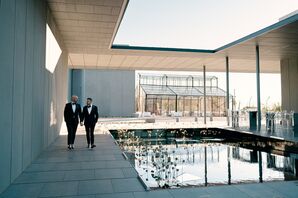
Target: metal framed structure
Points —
{"points": [[163, 95]]}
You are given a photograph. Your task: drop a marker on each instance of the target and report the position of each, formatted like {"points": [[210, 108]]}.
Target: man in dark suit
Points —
{"points": [[72, 114], [90, 117]]}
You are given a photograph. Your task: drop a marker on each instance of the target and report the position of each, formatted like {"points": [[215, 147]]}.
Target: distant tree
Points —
{"points": [[247, 108], [276, 107]]}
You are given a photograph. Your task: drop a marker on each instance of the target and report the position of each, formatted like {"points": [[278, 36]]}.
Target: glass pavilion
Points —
{"points": [[163, 95]]}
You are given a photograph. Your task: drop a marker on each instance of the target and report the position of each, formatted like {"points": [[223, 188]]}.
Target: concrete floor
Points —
{"points": [[103, 172]]}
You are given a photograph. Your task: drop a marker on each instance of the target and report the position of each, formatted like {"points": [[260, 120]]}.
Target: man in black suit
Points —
{"points": [[90, 117], [72, 114]]}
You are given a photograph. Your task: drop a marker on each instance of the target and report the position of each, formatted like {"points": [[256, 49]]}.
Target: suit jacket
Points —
{"points": [[90, 119], [69, 115]]}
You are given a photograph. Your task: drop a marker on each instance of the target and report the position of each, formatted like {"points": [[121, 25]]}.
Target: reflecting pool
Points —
{"points": [[188, 157]]}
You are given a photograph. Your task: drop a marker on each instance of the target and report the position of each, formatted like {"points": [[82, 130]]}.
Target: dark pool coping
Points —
{"points": [[263, 133], [288, 135]]}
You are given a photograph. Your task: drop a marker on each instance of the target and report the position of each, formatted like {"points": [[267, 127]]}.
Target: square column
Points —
{"points": [[228, 89], [258, 87], [204, 75]]}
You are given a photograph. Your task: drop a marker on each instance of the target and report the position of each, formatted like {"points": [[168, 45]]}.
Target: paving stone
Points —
{"points": [[225, 192], [79, 175], [95, 187], [153, 194], [258, 190], [127, 185], [22, 190], [108, 173], [287, 189], [79, 196], [40, 177], [93, 165], [116, 195], [53, 167], [189, 192], [59, 189], [118, 164], [129, 172]]}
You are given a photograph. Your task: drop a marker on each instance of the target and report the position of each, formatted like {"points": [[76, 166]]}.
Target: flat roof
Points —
{"points": [[88, 29], [183, 91]]}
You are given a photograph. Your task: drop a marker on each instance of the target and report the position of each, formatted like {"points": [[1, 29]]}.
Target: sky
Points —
{"points": [[198, 24], [201, 24]]}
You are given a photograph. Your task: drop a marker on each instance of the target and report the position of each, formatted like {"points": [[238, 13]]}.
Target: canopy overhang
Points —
{"points": [[88, 29]]}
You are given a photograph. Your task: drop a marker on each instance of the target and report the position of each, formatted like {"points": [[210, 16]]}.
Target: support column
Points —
{"points": [[258, 87], [183, 106], [139, 94], [211, 114], [176, 104], [228, 89], [161, 106], [190, 113], [146, 103], [218, 105], [204, 75], [198, 106], [168, 106]]}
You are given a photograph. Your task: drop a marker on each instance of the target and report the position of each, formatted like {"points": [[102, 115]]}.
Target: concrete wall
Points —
{"points": [[77, 84], [32, 99], [289, 82], [113, 91]]}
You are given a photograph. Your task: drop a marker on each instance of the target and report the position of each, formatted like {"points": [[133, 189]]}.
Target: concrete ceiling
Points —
{"points": [[88, 28]]}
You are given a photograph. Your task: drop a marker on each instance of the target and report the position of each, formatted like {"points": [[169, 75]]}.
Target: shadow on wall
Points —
{"points": [[56, 100]]}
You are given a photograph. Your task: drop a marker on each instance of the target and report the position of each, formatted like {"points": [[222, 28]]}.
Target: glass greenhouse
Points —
{"points": [[165, 94]]}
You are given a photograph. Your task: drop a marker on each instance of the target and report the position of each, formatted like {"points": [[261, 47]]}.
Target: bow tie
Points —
{"points": [[73, 103], [88, 106]]}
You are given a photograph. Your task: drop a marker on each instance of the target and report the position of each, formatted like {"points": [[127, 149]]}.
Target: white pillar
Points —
{"points": [[204, 75], [228, 89], [258, 87]]}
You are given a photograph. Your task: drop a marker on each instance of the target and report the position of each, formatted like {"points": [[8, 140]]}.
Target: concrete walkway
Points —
{"points": [[103, 172]]}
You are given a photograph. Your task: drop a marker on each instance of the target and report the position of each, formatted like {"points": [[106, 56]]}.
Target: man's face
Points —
{"points": [[89, 102], [74, 99]]}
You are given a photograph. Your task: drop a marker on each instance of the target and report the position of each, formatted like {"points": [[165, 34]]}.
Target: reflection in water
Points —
{"points": [[174, 162], [229, 165], [205, 155], [245, 155]]}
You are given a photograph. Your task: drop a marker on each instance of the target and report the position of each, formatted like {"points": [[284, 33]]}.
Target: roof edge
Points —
{"points": [[165, 49], [261, 32], [274, 26], [119, 21]]}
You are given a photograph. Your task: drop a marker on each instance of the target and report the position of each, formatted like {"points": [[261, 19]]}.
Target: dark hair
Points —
{"points": [[89, 99]]}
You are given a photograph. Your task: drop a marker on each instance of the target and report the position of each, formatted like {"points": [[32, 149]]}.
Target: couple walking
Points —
{"points": [[88, 117]]}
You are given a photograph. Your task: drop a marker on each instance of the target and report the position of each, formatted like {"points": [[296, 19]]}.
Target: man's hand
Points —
{"points": [[82, 123]]}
